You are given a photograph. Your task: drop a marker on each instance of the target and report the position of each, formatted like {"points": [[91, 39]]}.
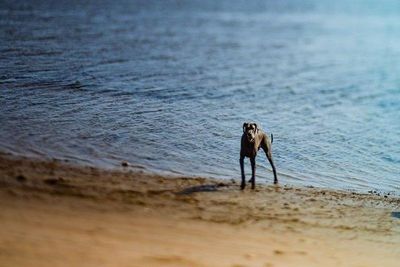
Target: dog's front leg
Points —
{"points": [[253, 172], [243, 184]]}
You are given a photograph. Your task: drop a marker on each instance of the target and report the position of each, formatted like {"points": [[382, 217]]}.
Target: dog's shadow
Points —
{"points": [[201, 188]]}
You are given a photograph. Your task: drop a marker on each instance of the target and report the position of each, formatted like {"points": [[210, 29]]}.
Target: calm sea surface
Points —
{"points": [[166, 85]]}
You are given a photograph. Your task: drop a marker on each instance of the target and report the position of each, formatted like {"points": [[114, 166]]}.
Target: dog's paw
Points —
{"points": [[242, 186]]}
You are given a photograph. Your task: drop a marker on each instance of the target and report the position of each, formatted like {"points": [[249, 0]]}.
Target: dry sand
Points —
{"points": [[56, 214]]}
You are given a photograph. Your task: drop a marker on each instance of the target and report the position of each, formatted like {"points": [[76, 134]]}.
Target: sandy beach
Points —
{"points": [[168, 88], [57, 214]]}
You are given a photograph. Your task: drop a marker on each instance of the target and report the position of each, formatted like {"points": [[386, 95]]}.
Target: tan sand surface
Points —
{"points": [[56, 214]]}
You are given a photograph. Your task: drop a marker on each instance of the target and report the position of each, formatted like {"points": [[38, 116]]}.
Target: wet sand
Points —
{"points": [[53, 213]]}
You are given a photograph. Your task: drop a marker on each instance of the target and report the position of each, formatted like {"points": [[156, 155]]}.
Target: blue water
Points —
{"points": [[167, 85]]}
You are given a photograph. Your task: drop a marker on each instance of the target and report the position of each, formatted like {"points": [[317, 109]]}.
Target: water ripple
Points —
{"points": [[167, 85]]}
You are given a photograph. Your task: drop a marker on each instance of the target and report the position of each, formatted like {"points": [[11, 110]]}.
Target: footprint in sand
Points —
{"points": [[171, 260]]}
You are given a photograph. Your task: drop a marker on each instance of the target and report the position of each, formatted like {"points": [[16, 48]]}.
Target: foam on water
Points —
{"points": [[167, 85]]}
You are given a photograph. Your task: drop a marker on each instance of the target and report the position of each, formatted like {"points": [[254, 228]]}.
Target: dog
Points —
{"points": [[253, 139]]}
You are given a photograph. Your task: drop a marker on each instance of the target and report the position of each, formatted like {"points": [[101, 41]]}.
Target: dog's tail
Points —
{"points": [[272, 138]]}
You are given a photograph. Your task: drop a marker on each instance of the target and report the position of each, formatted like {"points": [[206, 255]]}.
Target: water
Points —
{"points": [[167, 85]]}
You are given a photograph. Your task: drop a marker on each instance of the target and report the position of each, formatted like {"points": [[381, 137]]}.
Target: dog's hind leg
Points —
{"points": [[267, 147], [269, 156]]}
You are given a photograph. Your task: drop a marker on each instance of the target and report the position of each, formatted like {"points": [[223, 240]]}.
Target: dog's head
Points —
{"points": [[250, 129]]}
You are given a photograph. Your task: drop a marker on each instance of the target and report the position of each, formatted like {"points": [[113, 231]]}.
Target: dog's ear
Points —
{"points": [[256, 127], [245, 126]]}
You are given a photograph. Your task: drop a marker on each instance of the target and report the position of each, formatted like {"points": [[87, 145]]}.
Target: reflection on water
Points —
{"points": [[396, 214], [168, 84]]}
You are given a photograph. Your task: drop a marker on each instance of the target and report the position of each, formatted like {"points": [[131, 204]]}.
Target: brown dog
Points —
{"points": [[252, 140]]}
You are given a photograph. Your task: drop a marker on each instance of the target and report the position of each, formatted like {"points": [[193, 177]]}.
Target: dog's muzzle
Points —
{"points": [[250, 138]]}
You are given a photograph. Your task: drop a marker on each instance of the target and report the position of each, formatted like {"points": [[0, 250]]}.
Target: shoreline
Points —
{"points": [[141, 169], [89, 214]]}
